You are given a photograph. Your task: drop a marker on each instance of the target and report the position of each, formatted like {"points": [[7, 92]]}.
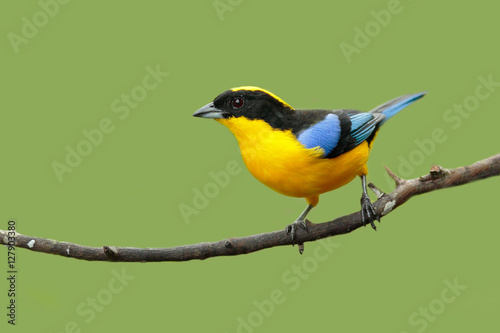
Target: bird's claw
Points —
{"points": [[368, 213], [291, 229]]}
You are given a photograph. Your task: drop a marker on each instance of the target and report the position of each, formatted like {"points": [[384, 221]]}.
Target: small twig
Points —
{"points": [[438, 178], [376, 190], [397, 180]]}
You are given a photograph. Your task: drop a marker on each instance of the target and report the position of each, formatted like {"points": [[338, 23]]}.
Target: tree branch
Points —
{"points": [[437, 178]]}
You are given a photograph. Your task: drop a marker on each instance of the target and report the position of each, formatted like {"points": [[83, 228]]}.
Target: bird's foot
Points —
{"points": [[291, 229], [368, 213]]}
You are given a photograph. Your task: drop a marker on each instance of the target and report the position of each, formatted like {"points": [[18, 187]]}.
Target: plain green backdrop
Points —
{"points": [[67, 69]]}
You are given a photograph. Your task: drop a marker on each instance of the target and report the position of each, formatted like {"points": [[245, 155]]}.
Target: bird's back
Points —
{"points": [[339, 131]]}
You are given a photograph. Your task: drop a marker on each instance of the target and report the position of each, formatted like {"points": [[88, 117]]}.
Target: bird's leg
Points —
{"points": [[299, 223], [368, 213]]}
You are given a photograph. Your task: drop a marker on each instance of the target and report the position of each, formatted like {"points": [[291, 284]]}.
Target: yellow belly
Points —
{"points": [[279, 161]]}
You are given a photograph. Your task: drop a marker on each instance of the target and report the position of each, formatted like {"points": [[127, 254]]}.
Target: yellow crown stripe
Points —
{"points": [[251, 88]]}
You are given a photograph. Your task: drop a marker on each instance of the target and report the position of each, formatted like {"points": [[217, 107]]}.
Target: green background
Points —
{"points": [[128, 191]]}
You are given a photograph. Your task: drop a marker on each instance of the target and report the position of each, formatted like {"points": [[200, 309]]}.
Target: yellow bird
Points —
{"points": [[302, 153]]}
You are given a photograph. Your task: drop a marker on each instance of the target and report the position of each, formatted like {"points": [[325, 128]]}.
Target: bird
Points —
{"points": [[302, 153]]}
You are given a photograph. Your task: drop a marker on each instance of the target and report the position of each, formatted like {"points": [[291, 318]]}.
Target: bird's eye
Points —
{"points": [[238, 102]]}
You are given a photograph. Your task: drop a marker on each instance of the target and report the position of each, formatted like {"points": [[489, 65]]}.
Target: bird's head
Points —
{"points": [[252, 103]]}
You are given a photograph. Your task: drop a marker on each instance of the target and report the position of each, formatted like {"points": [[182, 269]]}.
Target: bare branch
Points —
{"points": [[438, 178], [397, 180]]}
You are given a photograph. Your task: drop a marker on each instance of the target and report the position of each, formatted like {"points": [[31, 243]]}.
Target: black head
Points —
{"points": [[249, 102]]}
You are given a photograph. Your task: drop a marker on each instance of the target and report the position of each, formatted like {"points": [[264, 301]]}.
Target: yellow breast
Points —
{"points": [[280, 161]]}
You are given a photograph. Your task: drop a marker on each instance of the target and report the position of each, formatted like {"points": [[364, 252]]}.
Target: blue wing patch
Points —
{"points": [[325, 134], [359, 119], [363, 124]]}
